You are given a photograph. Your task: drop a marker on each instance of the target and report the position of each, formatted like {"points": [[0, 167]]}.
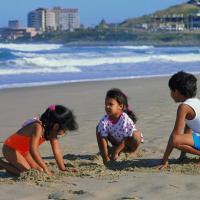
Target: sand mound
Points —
{"points": [[92, 166]]}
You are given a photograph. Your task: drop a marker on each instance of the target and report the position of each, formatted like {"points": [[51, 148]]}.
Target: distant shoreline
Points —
{"points": [[84, 81], [110, 37], [126, 44], [97, 43]]}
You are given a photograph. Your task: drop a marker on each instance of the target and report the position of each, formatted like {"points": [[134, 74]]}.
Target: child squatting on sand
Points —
{"points": [[117, 127], [186, 133], [21, 149]]}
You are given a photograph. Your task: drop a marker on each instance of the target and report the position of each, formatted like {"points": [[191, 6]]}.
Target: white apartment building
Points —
{"points": [[50, 22], [66, 19], [54, 19]]}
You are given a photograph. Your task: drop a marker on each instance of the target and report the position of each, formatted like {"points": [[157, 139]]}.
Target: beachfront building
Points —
{"points": [[194, 21], [171, 27], [42, 20], [13, 24], [50, 22], [36, 19], [54, 19], [15, 33], [66, 19], [172, 22]]}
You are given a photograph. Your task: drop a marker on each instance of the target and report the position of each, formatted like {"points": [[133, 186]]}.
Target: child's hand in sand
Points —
{"points": [[163, 165], [114, 156], [50, 173], [71, 170], [106, 160], [70, 167]]}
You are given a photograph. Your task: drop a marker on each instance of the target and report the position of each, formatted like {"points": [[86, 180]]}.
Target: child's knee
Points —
{"points": [[133, 142], [175, 141]]}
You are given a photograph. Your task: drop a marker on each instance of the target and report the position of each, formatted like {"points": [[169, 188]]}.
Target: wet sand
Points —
{"points": [[131, 177]]}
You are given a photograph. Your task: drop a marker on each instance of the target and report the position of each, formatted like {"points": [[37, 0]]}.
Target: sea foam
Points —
{"points": [[29, 47]]}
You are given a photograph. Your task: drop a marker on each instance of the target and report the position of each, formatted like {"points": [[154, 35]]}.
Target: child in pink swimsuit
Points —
{"points": [[117, 127], [21, 149]]}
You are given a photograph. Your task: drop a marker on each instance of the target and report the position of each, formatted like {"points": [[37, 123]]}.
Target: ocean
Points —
{"points": [[23, 65]]}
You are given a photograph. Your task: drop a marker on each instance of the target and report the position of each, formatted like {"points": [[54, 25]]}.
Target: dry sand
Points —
{"points": [[131, 177]]}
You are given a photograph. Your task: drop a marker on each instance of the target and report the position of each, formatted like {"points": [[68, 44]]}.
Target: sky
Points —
{"points": [[91, 11]]}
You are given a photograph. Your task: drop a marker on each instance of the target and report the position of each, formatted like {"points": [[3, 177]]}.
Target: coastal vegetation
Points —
{"points": [[111, 37]]}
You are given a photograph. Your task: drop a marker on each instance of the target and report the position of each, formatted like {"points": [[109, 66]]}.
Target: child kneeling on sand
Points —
{"points": [[21, 149], [186, 133], [117, 127]]}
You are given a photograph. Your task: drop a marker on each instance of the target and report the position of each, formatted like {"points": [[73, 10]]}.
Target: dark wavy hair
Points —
{"points": [[185, 83], [121, 98], [59, 114]]}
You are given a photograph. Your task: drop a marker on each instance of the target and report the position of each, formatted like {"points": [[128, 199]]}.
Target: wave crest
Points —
{"points": [[30, 47]]}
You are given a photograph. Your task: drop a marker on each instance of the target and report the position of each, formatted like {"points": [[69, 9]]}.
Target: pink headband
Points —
{"points": [[52, 107]]}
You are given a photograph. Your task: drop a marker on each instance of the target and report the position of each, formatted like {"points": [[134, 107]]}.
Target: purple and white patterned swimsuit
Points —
{"points": [[120, 130]]}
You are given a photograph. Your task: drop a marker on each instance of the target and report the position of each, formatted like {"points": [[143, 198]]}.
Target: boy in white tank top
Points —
{"points": [[186, 133]]}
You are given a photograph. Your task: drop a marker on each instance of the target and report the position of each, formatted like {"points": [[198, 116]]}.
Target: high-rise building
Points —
{"points": [[36, 19], [66, 19], [54, 19], [57, 11], [50, 23]]}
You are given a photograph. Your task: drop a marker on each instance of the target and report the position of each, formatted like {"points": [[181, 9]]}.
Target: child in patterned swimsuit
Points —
{"points": [[117, 127], [21, 149]]}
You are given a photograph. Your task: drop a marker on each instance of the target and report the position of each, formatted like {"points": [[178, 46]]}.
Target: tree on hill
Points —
{"points": [[102, 24]]}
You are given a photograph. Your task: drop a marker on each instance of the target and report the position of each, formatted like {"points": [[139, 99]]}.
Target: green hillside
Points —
{"points": [[179, 9], [184, 9]]}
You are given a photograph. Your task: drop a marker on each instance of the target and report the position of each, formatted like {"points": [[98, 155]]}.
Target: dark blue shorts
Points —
{"points": [[196, 138]]}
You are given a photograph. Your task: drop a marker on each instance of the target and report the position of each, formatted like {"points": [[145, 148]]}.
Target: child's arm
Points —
{"points": [[178, 129], [34, 150], [104, 150], [117, 150], [57, 153], [103, 147]]}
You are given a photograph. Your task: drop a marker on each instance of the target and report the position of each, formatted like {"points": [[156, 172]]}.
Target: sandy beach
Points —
{"points": [[131, 177]]}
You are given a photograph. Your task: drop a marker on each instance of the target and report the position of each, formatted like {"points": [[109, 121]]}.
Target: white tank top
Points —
{"points": [[194, 124]]}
